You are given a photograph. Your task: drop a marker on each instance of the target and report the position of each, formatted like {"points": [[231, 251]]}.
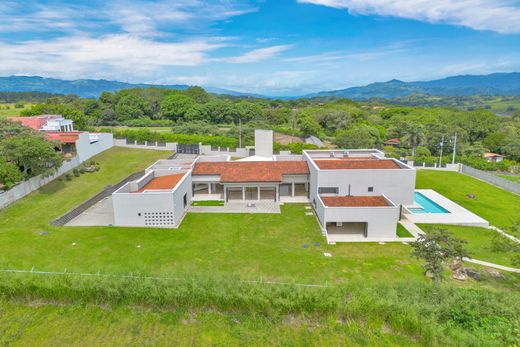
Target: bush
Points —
{"points": [[68, 176], [76, 172], [147, 135]]}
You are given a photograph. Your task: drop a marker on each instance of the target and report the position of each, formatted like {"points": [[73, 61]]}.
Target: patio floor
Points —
{"points": [[239, 207]]}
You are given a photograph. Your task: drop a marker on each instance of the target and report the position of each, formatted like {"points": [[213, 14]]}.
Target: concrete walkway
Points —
{"points": [[101, 214], [495, 266], [511, 237], [239, 207], [411, 227]]}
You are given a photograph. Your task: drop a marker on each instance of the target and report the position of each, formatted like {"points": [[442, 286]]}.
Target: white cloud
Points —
{"points": [[502, 16], [112, 56], [256, 55]]}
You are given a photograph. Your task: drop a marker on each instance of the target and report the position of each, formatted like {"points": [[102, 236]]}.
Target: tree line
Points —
{"points": [[342, 122]]}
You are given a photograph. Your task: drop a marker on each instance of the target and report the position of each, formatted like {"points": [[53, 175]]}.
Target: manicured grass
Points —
{"points": [[208, 203], [402, 232], [499, 207], [479, 242], [515, 179]]}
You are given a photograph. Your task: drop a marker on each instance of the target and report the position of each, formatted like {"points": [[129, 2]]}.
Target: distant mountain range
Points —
{"points": [[503, 84], [86, 88]]}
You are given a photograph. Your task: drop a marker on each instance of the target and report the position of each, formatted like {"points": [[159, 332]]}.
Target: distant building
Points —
{"points": [[493, 157], [69, 142], [313, 140], [393, 142]]}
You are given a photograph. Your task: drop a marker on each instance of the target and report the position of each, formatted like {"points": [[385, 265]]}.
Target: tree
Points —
{"points": [[198, 94], [414, 135], [131, 106], [436, 248], [176, 105], [9, 129], [309, 126], [9, 173], [32, 153], [361, 136]]}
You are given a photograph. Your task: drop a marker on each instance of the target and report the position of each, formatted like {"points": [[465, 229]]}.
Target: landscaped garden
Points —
{"points": [[373, 293]]}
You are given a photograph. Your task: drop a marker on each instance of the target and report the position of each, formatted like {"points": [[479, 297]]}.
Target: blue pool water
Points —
{"points": [[427, 205]]}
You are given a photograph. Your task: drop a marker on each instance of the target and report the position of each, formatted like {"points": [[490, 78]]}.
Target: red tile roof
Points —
{"points": [[35, 123], [259, 171], [163, 182], [354, 201], [356, 164], [63, 137]]}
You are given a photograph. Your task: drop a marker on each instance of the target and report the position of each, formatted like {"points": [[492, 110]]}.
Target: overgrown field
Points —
{"points": [[9, 109], [93, 311]]}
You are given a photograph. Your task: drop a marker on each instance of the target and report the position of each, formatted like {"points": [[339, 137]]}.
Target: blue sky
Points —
{"points": [[282, 47]]}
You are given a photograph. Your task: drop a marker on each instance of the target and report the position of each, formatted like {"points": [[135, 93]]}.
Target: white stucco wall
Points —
{"points": [[263, 143], [398, 185], [157, 208], [86, 150], [381, 221]]}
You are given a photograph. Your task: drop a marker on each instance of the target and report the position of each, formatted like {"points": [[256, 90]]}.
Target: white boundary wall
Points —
{"points": [[170, 146], [27, 187]]}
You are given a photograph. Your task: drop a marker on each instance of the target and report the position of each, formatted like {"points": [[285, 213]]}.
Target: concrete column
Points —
{"points": [[292, 189], [276, 193], [243, 193], [209, 188], [225, 194], [258, 193]]}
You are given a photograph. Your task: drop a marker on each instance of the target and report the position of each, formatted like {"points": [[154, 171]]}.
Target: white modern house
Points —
{"points": [[357, 194]]}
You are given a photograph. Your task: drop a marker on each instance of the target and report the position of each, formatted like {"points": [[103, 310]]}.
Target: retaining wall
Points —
{"points": [[492, 179]]}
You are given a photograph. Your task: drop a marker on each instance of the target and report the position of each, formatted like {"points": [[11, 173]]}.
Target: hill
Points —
{"points": [[87, 88], [504, 84]]}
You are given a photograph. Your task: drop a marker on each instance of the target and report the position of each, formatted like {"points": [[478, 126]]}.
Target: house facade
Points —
{"points": [[356, 194]]}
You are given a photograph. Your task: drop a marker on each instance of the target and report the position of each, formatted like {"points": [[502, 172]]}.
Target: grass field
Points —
{"points": [[515, 179], [499, 207], [376, 294], [208, 203], [479, 242], [402, 232], [8, 110]]}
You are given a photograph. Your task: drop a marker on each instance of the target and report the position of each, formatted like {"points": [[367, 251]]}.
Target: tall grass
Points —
{"points": [[433, 314]]}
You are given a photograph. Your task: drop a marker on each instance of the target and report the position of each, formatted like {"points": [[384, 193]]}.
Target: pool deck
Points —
{"points": [[458, 215]]}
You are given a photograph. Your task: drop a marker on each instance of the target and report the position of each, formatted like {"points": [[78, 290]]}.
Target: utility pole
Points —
{"points": [[454, 148], [293, 121], [442, 146], [239, 132]]}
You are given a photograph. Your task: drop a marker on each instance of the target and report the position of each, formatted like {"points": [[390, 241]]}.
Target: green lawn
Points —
{"points": [[515, 179], [402, 232], [499, 207], [208, 203], [377, 294], [8, 110], [479, 242]]}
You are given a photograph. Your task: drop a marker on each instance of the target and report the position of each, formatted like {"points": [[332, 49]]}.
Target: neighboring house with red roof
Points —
{"points": [[493, 157], [356, 194], [392, 142], [68, 141]]}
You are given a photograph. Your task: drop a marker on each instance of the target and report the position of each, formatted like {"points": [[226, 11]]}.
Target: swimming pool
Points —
{"points": [[428, 206]]}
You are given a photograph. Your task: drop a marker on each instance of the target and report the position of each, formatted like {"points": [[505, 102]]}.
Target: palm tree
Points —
{"points": [[414, 135]]}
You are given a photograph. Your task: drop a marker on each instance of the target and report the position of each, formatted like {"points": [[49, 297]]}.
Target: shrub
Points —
{"points": [[76, 172], [68, 176]]}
